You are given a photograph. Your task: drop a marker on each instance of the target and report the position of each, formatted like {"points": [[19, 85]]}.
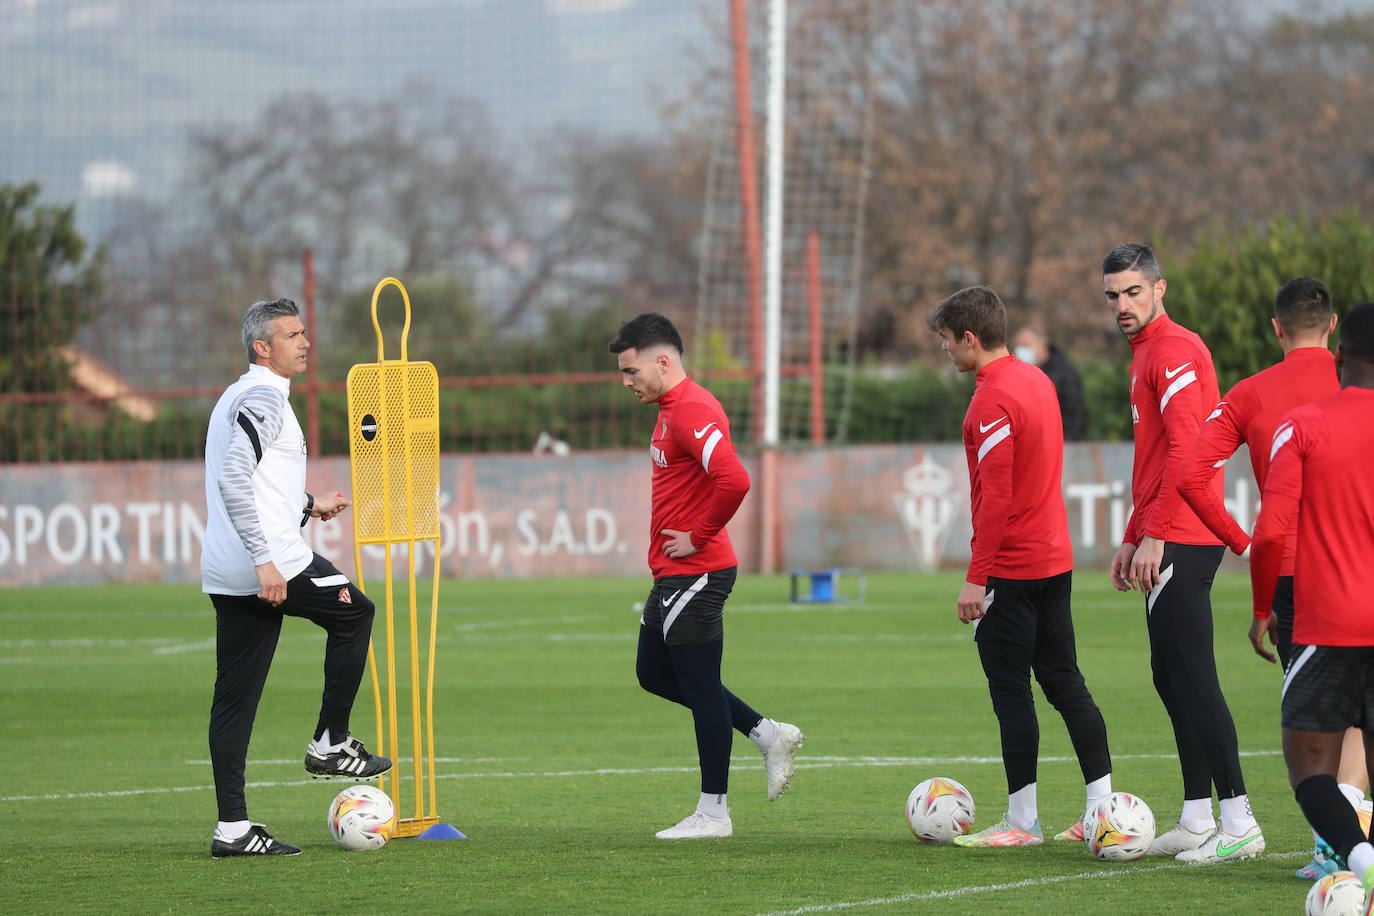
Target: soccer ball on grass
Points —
{"points": [[362, 817], [1121, 830], [1337, 894], [939, 809]]}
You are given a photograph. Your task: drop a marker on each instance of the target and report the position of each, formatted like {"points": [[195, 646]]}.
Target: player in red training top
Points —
{"points": [[698, 483], [1171, 556], [1319, 477], [1021, 573], [1248, 414]]}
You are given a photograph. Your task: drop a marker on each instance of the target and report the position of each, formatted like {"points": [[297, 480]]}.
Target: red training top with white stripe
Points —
{"points": [[1319, 471], [1249, 414], [1014, 442], [698, 480], [1173, 387]]}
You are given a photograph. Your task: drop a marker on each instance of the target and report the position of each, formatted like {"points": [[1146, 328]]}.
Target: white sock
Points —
{"points": [[763, 734], [1316, 838], [1361, 857], [229, 831], [1354, 793], [714, 805], [1096, 790], [1197, 815], [324, 746], [1022, 810], [1236, 817]]}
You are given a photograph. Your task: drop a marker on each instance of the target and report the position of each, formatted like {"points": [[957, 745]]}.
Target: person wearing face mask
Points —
{"points": [[1032, 346]]}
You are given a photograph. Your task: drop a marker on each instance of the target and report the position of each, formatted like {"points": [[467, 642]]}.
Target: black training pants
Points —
{"points": [[1029, 627], [1179, 619], [246, 631]]}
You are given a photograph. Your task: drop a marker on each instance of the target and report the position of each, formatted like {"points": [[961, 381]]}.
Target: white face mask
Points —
{"points": [[1025, 354]]}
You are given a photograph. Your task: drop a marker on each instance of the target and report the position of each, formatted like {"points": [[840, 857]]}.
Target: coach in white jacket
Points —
{"points": [[256, 568]]}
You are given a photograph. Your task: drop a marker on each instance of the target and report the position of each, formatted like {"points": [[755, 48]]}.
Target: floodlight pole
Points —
{"points": [[772, 310]]}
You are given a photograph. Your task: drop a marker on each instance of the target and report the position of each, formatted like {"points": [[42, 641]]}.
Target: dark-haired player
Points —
{"points": [[698, 483], [1319, 478], [1248, 414], [1172, 557]]}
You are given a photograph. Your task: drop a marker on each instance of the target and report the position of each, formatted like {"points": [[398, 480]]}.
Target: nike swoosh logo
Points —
{"points": [[1170, 373], [982, 428], [701, 432], [260, 418], [1223, 850], [671, 598]]}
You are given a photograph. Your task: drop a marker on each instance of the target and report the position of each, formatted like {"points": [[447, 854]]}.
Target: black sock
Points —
{"points": [[1330, 814]]}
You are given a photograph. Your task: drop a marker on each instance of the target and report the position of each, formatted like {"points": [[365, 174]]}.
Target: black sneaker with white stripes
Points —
{"points": [[256, 842], [352, 760]]}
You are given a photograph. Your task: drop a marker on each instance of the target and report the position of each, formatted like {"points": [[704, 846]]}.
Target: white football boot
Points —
{"points": [[779, 758], [1178, 839], [698, 826], [1224, 847]]}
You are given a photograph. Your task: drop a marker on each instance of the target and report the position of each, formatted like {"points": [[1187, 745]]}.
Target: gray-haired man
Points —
{"points": [[256, 567]]}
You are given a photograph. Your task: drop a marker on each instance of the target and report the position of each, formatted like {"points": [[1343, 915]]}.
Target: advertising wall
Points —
{"points": [[893, 507]]}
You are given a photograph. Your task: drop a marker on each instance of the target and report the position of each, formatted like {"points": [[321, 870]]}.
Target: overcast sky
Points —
{"points": [[96, 96]]}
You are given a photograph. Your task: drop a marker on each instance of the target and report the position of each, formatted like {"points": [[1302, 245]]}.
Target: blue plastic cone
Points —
{"points": [[441, 832]]}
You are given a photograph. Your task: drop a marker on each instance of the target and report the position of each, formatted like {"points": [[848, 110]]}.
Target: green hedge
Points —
{"points": [[1223, 289]]}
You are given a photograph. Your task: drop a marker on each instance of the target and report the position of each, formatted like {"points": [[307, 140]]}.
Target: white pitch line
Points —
{"points": [[201, 646], [84, 642], [914, 636], [549, 637], [817, 762], [296, 761], [1105, 874], [805, 607], [524, 622], [157, 645], [807, 763], [206, 613]]}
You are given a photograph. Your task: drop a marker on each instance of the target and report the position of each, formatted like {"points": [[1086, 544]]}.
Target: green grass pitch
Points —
{"points": [[559, 768]]}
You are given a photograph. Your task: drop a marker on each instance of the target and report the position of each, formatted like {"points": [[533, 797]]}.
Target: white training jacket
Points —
{"points": [[254, 486]]}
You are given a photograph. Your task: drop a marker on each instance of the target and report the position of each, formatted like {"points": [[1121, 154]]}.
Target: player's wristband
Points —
{"points": [[309, 507]]}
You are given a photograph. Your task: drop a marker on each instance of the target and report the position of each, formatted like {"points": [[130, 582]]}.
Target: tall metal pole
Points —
{"points": [[772, 310], [312, 375], [749, 200]]}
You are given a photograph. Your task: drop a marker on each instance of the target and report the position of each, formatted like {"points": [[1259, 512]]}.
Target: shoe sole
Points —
{"points": [[699, 836], [329, 774], [1249, 853], [246, 855], [1174, 853], [791, 768], [980, 845]]}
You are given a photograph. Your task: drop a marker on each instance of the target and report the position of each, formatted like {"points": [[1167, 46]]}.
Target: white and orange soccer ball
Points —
{"points": [[1336, 894], [939, 809], [1122, 829], [362, 817]]}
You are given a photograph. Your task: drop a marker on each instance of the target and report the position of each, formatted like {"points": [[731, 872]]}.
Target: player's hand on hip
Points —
{"points": [[679, 543], [1258, 629], [971, 602], [273, 585], [1144, 570], [326, 507], [1120, 564]]}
